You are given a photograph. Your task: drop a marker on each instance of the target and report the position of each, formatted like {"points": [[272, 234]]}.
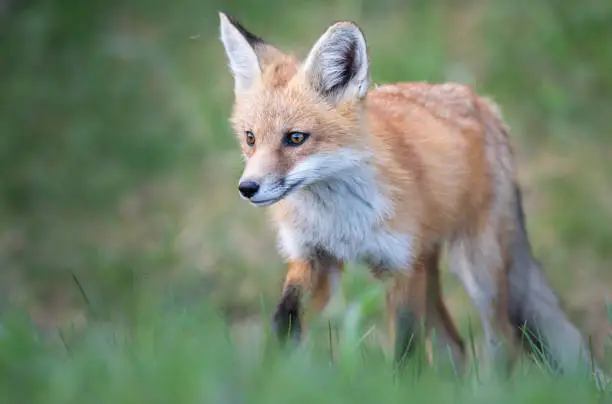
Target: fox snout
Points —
{"points": [[263, 191], [248, 188], [267, 190], [260, 178]]}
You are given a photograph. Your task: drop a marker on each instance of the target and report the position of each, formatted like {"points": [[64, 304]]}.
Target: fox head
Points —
{"points": [[298, 122]]}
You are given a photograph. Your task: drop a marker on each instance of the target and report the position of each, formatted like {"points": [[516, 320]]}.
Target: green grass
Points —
{"points": [[188, 356], [118, 168]]}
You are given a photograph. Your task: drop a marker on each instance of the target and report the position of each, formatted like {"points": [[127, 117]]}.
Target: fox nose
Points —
{"points": [[248, 188]]}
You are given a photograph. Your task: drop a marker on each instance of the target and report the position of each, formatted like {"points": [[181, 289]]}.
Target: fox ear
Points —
{"points": [[241, 48], [337, 65]]}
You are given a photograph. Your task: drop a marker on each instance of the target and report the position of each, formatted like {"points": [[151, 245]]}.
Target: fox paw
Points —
{"points": [[286, 323]]}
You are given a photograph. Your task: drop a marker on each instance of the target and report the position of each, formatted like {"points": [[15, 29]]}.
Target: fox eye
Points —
{"points": [[296, 138], [250, 138]]}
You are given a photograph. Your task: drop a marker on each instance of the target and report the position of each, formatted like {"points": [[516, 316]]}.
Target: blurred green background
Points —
{"points": [[118, 168]]}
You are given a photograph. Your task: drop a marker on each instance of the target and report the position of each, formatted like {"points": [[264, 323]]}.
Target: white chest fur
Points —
{"points": [[344, 216]]}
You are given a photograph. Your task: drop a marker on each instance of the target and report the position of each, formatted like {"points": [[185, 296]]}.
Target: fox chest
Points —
{"points": [[349, 229]]}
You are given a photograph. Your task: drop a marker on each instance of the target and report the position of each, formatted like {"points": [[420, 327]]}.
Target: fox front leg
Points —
{"points": [[316, 279], [287, 318]]}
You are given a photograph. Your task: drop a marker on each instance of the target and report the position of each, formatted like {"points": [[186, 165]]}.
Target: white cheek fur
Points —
{"points": [[344, 214]]}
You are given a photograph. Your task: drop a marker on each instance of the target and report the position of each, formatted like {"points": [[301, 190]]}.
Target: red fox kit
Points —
{"points": [[387, 176]]}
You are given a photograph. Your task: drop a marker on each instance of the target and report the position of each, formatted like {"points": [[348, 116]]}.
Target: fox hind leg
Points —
{"points": [[448, 344], [406, 311], [482, 267], [416, 308]]}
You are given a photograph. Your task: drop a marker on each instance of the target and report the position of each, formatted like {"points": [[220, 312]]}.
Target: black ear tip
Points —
{"points": [[250, 37], [231, 18]]}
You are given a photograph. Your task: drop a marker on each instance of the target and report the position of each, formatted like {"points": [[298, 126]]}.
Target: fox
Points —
{"points": [[388, 176]]}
